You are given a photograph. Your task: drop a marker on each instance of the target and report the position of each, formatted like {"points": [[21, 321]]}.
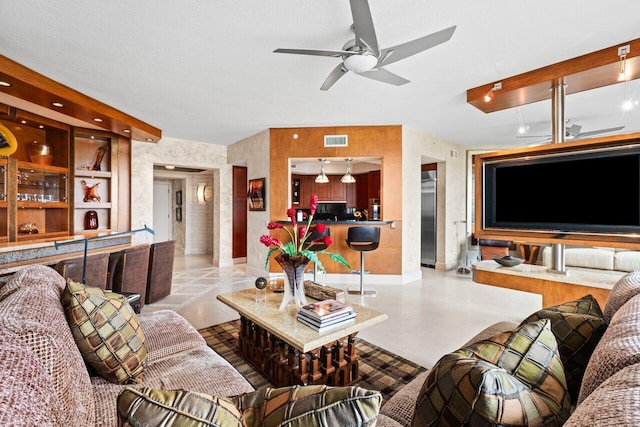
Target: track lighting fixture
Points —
{"points": [[347, 178], [322, 178], [489, 96], [622, 53]]}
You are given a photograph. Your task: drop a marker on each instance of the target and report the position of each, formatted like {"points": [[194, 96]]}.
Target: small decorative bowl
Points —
{"points": [[508, 261]]}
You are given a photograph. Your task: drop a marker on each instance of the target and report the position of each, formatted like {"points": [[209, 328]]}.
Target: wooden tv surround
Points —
{"points": [[555, 288]]}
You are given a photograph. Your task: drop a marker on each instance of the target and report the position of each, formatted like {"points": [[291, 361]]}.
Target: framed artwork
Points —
{"points": [[179, 214], [256, 194], [179, 198]]}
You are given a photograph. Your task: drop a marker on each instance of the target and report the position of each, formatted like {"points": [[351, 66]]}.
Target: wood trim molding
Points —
{"points": [[42, 91], [590, 71]]}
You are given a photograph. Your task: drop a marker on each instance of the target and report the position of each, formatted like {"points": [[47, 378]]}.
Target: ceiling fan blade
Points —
{"points": [[333, 53], [363, 26], [337, 72], [599, 131], [404, 50], [385, 76]]}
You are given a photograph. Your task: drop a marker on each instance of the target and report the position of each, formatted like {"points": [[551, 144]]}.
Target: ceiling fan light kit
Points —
{"points": [[362, 55], [360, 63]]}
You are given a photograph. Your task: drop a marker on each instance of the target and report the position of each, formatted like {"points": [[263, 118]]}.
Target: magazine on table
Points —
{"points": [[326, 328], [326, 322], [326, 309]]}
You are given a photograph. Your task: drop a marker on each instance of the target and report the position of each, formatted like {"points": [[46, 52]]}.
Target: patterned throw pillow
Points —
{"points": [[175, 407], [578, 326], [514, 378], [316, 405], [107, 332]]}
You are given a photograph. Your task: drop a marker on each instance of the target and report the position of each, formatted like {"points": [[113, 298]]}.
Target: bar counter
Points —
{"points": [[15, 255], [387, 259]]}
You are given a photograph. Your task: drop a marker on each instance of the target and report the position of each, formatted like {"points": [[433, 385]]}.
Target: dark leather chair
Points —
{"points": [[363, 239], [317, 246], [160, 273], [128, 270], [95, 272]]}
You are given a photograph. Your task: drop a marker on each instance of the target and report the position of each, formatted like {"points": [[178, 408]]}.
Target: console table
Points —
{"points": [[288, 352], [554, 288]]}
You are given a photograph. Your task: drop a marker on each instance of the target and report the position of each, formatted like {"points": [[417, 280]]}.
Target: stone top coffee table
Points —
{"points": [[288, 352]]}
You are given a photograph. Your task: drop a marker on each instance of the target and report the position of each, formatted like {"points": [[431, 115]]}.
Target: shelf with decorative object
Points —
{"points": [[95, 182]]}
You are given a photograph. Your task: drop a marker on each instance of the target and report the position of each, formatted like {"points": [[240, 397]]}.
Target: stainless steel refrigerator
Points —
{"points": [[428, 229]]}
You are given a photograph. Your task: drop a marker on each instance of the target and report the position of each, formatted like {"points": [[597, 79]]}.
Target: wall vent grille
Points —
{"points": [[336, 140]]}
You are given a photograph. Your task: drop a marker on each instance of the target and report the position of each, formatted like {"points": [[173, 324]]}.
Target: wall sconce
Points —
{"points": [[201, 193], [489, 96], [322, 178], [347, 178]]}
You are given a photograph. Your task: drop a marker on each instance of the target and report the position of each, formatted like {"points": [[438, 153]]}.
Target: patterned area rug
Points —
{"points": [[379, 369]]}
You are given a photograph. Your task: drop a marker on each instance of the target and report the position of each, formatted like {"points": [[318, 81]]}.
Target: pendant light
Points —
{"points": [[348, 178], [322, 178]]}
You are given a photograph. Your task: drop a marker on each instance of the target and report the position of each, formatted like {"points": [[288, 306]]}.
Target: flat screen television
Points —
{"points": [[596, 191]]}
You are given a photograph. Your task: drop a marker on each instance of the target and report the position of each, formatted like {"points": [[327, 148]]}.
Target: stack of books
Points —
{"points": [[327, 315]]}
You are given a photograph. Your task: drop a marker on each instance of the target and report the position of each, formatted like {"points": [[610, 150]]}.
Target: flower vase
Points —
{"points": [[293, 268]]}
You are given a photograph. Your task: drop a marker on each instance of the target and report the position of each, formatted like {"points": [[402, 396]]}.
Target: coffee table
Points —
{"points": [[288, 352]]}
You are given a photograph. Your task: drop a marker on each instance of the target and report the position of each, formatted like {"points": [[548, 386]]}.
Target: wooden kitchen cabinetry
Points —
{"points": [[334, 191]]}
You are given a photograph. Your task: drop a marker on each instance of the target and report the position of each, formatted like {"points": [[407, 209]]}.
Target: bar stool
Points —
{"points": [[128, 270], [317, 246], [363, 239], [160, 275], [91, 271]]}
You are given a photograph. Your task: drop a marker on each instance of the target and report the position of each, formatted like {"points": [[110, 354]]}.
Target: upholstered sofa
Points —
{"points": [[44, 380], [598, 258], [609, 386]]}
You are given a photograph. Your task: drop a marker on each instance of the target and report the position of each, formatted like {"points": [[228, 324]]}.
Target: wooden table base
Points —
{"points": [[333, 364]]}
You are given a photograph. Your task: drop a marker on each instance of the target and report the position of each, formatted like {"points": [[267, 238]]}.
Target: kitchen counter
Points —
{"points": [[386, 259]]}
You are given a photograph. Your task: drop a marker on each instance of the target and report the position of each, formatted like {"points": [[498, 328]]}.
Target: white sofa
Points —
{"points": [[622, 260]]}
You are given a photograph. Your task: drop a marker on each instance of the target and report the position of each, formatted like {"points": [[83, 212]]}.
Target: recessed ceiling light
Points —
{"points": [[5, 84], [126, 130], [93, 137], [57, 104], [170, 167], [24, 122], [97, 119], [149, 140], [41, 127]]}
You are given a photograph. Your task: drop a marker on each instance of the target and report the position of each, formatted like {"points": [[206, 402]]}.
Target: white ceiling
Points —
{"points": [[205, 70]]}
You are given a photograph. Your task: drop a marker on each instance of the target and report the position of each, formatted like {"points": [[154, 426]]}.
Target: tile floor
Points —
{"points": [[427, 318]]}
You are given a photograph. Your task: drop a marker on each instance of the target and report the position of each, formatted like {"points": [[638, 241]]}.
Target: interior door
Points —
{"points": [[162, 211], [239, 212]]}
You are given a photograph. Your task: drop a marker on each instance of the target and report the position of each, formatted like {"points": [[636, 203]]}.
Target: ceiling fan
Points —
{"points": [[363, 56], [574, 132]]}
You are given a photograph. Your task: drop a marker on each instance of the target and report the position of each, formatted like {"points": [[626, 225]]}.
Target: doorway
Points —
{"points": [[239, 251], [162, 211], [428, 215]]}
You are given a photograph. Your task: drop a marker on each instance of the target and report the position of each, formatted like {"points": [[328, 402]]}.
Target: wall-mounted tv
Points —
{"points": [[595, 191]]}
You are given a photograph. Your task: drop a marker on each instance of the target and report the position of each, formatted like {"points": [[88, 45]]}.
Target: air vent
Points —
{"points": [[336, 140]]}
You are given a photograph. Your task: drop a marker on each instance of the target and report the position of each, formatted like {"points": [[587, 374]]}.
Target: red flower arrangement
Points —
{"points": [[299, 235]]}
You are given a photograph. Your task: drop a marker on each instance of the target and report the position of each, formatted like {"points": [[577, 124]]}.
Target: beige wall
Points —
{"points": [[419, 148], [253, 153], [191, 154]]}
